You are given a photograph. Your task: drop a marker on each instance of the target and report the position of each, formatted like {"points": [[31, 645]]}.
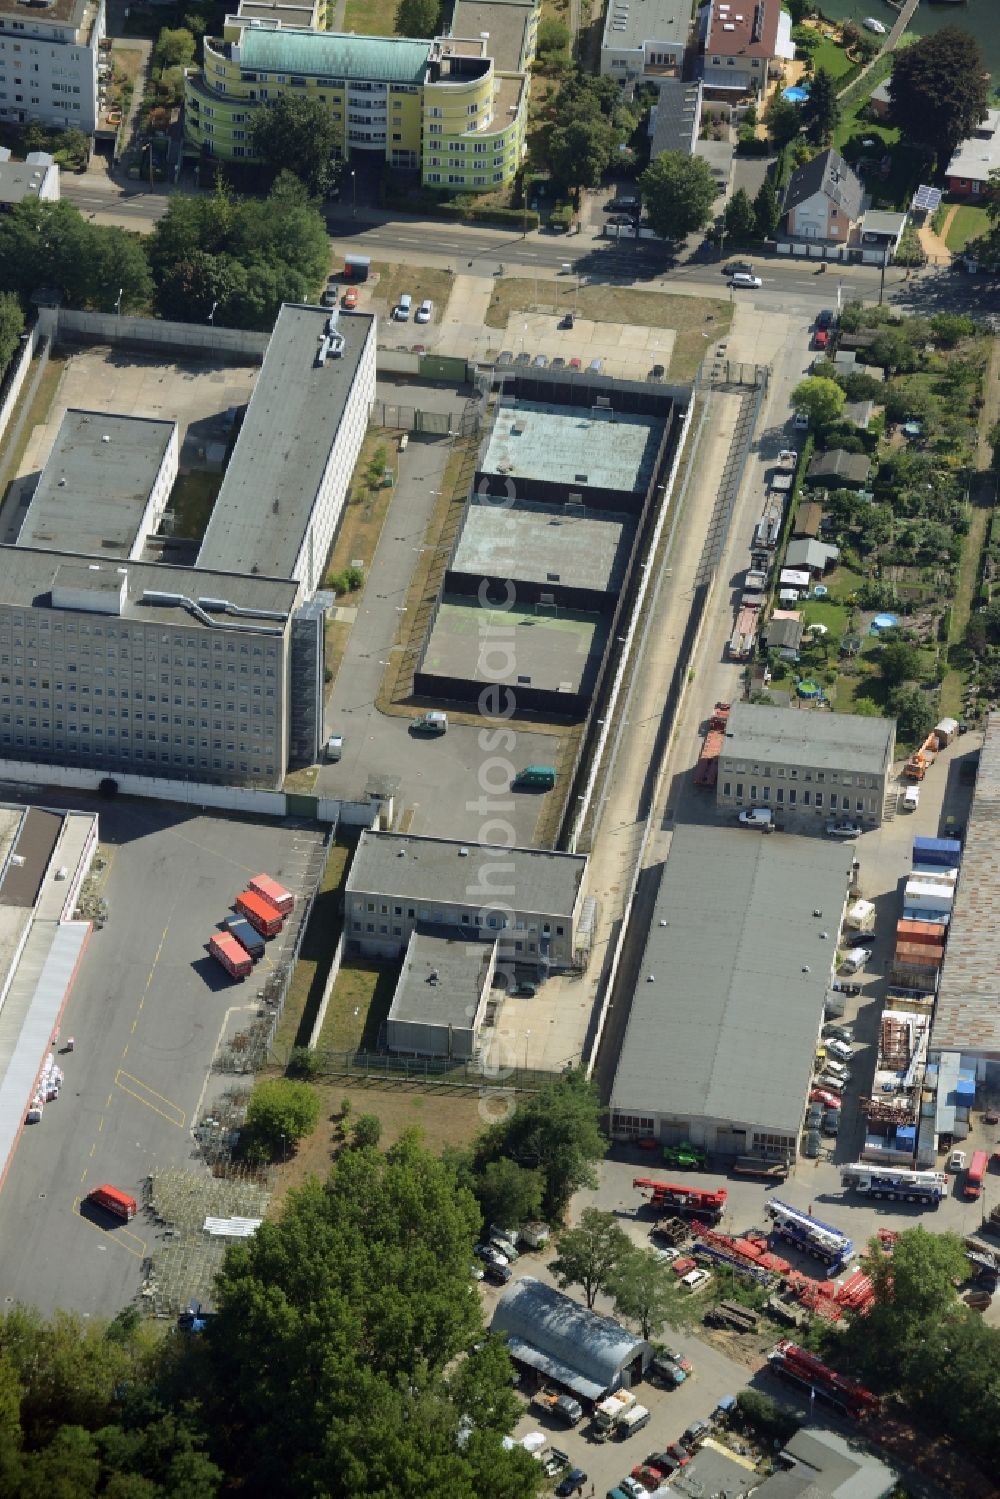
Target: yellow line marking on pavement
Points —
{"points": [[83, 1177], [93, 1150], [115, 1235], [175, 1115], [100, 1122]]}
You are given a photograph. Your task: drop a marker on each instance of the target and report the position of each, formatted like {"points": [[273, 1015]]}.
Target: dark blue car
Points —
{"points": [[573, 1481]]}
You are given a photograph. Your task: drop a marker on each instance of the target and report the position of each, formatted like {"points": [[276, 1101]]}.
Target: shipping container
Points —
{"points": [[918, 955], [926, 933], [946, 852], [283, 900], [923, 897], [246, 935], [114, 1201], [933, 874], [260, 913], [226, 950]]}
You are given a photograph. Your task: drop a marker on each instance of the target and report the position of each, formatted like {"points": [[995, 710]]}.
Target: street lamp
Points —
{"points": [[354, 194], [118, 303], [211, 315]]}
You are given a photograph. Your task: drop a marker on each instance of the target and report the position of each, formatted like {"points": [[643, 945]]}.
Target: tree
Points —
{"points": [[821, 112], [938, 91], [798, 10], [278, 1115], [767, 210], [580, 152], [642, 1290], [556, 1131], [783, 121], [367, 1132], [553, 36], [949, 328], [679, 192], [740, 217], [175, 48], [822, 400], [296, 133], [418, 18], [358, 1318], [509, 1194], [11, 328], [913, 712], [911, 1294], [898, 662], [592, 1254], [893, 350]]}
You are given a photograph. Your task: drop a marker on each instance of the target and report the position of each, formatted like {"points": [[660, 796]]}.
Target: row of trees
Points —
{"points": [[231, 258]]}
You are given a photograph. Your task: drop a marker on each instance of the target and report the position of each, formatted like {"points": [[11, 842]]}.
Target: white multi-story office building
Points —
{"points": [[48, 62]]}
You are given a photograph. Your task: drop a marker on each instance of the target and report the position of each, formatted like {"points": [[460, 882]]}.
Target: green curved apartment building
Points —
{"points": [[442, 107]]}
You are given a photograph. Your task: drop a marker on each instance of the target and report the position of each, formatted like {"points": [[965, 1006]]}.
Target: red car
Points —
{"points": [[649, 1477], [680, 1454], [683, 1265], [820, 338], [350, 298], [828, 1100]]}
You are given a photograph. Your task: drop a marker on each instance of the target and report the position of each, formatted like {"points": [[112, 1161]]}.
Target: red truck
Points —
{"points": [[688, 1202], [231, 954], [113, 1201], [283, 900], [260, 913], [706, 772]]}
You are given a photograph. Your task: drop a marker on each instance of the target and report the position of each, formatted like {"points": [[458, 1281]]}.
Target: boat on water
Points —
{"points": [[871, 23]]}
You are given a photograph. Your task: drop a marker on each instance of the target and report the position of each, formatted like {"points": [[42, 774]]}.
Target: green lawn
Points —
{"points": [[969, 222], [833, 58], [842, 583], [191, 502], [823, 612], [371, 17]]}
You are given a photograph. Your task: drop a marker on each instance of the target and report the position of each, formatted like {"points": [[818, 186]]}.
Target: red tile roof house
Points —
{"points": [[968, 172], [741, 40]]}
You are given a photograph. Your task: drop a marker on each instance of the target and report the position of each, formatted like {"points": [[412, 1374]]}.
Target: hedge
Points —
{"points": [[443, 208]]}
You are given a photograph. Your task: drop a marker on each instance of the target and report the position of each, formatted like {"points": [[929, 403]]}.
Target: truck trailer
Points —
{"points": [[609, 1412], [246, 935], [689, 1202], [806, 1370], [283, 900], [820, 1240], [706, 772], [226, 950], [895, 1184], [260, 913]]}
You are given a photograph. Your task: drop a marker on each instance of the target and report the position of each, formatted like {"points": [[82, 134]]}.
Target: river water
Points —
{"points": [[981, 17]]}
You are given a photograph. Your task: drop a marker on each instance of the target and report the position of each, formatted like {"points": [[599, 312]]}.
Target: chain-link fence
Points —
{"points": [[381, 1067]]}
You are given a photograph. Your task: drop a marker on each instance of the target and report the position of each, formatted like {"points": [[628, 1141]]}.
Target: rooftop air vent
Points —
{"points": [[105, 437], [463, 853]]}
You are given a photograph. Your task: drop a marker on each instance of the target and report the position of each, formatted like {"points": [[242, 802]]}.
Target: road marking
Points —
{"points": [[100, 1122], [93, 1150], [116, 1235], [168, 1111], [83, 1176], [233, 1010]]}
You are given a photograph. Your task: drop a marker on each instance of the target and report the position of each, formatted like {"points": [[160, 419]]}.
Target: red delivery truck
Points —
{"points": [[260, 913], [119, 1203], [279, 897], [231, 954]]}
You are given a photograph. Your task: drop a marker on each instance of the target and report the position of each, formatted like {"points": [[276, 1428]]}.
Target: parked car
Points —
{"points": [[425, 311], [695, 1432], [821, 338], [679, 1453], [843, 830], [956, 1161], [334, 748], [831, 1123], [814, 1116], [522, 358], [745, 267], [810, 1144], [632, 1487], [682, 1266], [596, 366], [839, 1050], [663, 1463], [824, 1096], [667, 1256], [540, 361], [621, 219], [558, 363], [575, 1479], [826, 318], [505, 357], [350, 298], [839, 1030], [649, 1477], [800, 421], [678, 1359], [757, 817], [911, 798], [576, 364], [498, 1275], [694, 1280], [329, 297], [622, 203], [489, 1254]]}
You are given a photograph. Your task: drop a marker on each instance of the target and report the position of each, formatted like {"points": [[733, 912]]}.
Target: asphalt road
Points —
{"points": [[147, 1012]]}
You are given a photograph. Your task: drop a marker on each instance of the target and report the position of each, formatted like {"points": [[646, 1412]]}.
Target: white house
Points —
{"points": [[48, 63]]}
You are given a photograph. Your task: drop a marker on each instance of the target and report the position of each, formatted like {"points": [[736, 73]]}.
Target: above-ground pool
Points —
{"points": [[807, 688], [883, 622], [820, 591], [797, 94]]}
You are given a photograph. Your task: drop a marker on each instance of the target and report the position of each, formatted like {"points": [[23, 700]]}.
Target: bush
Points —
{"points": [[303, 1063], [348, 581], [767, 1416], [553, 36], [367, 1131], [279, 1114]]}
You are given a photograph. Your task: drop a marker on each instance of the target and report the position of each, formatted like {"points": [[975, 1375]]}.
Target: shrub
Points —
{"points": [[303, 1063], [553, 36], [278, 1115], [367, 1131], [766, 1415]]}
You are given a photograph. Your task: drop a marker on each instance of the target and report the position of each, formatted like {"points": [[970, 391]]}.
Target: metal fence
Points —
{"points": [[463, 423], [444, 1072]]}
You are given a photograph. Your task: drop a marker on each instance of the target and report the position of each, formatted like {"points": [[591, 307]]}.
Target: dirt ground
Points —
{"points": [[444, 1117]]}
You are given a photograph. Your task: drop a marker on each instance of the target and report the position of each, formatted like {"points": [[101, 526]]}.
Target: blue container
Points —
{"points": [[906, 1135], [965, 1091], [944, 853]]}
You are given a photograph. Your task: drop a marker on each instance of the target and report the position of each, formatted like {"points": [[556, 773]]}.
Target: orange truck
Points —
{"points": [[113, 1201], [231, 954], [260, 913], [283, 900]]}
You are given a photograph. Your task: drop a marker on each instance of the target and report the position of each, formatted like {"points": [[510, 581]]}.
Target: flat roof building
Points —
{"points": [[967, 1014], [587, 446], [441, 995], [104, 486], [721, 1036], [286, 483], [806, 763], [823, 1464], [645, 38], [62, 38], [37, 177], [581, 1350], [527, 898], [510, 28]]}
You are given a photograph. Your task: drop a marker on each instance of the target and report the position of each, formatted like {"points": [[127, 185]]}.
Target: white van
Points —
{"points": [[911, 798], [401, 312]]}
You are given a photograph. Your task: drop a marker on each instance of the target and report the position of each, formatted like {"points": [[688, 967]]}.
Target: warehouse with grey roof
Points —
{"points": [[729, 997], [556, 1336]]}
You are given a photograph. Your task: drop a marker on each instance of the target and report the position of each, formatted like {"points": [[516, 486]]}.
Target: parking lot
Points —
{"points": [[147, 1013]]}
